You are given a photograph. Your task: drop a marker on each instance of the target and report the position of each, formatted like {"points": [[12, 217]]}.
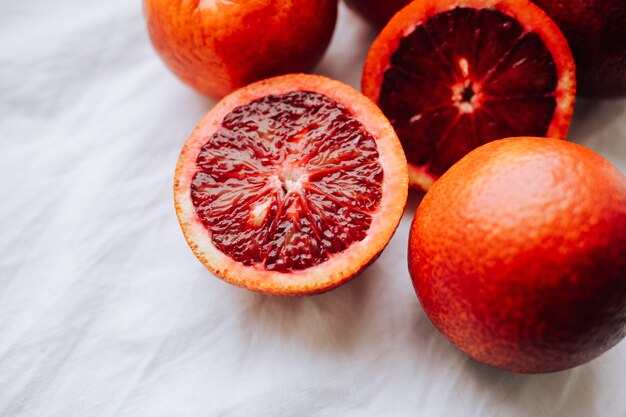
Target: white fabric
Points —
{"points": [[104, 311]]}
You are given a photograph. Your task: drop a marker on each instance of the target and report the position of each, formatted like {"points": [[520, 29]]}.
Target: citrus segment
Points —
{"points": [[291, 185]]}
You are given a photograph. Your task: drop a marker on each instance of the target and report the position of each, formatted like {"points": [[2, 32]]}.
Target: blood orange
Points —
{"points": [[216, 46], [596, 31], [453, 74], [518, 254], [377, 11], [291, 185]]}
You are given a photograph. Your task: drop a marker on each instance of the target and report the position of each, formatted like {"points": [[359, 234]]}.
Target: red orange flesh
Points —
{"points": [[291, 185], [454, 74]]}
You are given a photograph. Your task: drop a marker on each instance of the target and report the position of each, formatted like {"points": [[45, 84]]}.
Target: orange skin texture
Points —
{"points": [[217, 46], [596, 31], [377, 11], [518, 254]]}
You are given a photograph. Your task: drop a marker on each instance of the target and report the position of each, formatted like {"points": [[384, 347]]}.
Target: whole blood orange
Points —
{"points": [[518, 254], [454, 74], [377, 11], [291, 185], [596, 31], [216, 46]]}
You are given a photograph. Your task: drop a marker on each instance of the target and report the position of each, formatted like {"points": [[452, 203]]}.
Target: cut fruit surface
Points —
{"points": [[452, 75], [291, 185]]}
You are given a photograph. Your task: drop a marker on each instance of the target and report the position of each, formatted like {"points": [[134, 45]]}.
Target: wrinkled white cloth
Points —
{"points": [[104, 310]]}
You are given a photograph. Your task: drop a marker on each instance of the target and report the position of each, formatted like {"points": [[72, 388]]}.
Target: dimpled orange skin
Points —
{"points": [[217, 46], [518, 254]]}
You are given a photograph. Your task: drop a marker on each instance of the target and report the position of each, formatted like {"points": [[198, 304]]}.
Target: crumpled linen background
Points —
{"points": [[104, 311]]}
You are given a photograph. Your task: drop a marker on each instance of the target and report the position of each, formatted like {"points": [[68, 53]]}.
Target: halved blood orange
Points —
{"points": [[291, 185], [452, 75]]}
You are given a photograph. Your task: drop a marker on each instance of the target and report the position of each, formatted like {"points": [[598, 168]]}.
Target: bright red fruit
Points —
{"points": [[451, 75], [217, 46], [291, 185], [518, 254]]}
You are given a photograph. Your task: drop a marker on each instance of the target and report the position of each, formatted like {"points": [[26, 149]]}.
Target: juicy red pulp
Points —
{"points": [[287, 181], [463, 78]]}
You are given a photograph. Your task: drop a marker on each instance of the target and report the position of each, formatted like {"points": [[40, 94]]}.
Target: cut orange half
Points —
{"points": [[291, 185], [452, 75]]}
